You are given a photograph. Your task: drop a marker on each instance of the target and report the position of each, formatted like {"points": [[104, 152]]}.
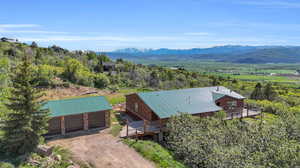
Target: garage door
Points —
{"points": [[96, 119], [74, 122], [54, 126]]}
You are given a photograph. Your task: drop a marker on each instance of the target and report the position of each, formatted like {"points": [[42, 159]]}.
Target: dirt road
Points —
{"points": [[102, 150]]}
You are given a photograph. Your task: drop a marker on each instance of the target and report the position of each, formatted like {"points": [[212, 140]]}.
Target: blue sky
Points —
{"points": [[112, 24]]}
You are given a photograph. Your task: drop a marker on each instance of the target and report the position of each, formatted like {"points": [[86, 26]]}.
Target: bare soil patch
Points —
{"points": [[102, 150], [72, 91]]}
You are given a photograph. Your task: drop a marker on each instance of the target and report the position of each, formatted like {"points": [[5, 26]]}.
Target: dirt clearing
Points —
{"points": [[102, 150]]}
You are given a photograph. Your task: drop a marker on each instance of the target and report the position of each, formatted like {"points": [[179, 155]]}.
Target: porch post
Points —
{"points": [[160, 136], [247, 110], [145, 125], [242, 113], [127, 127], [62, 124], [160, 125], [136, 135], [85, 121]]}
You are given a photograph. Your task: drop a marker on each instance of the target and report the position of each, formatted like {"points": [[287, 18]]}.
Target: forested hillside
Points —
{"points": [[235, 54], [88, 68]]}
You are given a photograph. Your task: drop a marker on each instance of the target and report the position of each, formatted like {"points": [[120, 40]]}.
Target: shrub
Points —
{"points": [[45, 75], [207, 142], [6, 165], [66, 84], [76, 72], [101, 80], [114, 88], [155, 152], [84, 77]]}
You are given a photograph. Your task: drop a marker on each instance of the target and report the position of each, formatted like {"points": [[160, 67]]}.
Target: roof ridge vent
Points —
{"points": [[188, 99]]}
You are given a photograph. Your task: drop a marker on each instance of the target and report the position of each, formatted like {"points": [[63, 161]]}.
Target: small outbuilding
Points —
{"points": [[76, 114], [109, 66]]}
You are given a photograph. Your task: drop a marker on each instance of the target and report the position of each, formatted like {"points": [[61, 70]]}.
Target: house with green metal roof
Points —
{"points": [[68, 115], [161, 105]]}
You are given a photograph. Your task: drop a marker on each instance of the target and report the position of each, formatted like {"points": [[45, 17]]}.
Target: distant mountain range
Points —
{"points": [[229, 53]]}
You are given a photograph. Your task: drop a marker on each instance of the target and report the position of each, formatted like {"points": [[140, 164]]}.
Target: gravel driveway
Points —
{"points": [[102, 150]]}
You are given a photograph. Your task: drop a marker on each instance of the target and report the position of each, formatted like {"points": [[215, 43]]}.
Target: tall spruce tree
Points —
{"points": [[257, 93], [24, 122], [269, 92], [4, 67]]}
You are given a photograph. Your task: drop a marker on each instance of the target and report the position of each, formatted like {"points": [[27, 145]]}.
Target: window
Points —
{"points": [[232, 104], [136, 107]]}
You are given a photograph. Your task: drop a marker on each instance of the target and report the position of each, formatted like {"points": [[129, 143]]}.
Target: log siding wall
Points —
{"points": [[84, 121], [143, 111], [223, 102]]}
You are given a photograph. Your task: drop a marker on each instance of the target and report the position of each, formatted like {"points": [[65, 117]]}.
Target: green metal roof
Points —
{"points": [[192, 101], [77, 105]]}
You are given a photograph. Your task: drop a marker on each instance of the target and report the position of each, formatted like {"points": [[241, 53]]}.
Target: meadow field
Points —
{"points": [[283, 73]]}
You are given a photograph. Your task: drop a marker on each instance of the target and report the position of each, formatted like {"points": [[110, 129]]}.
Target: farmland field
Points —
{"points": [[283, 73]]}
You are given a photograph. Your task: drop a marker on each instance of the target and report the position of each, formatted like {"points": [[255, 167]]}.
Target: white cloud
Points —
{"points": [[197, 34], [31, 31], [25, 28], [18, 25], [101, 38], [272, 3], [76, 38]]}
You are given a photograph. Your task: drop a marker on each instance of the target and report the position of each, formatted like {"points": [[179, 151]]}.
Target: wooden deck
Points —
{"points": [[139, 128], [142, 128], [244, 114]]}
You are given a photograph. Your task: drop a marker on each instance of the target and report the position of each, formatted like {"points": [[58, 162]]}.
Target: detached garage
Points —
{"points": [[70, 115]]}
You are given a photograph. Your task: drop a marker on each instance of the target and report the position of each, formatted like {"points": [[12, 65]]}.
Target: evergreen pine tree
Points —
{"points": [[25, 122], [269, 92], [257, 93], [34, 45], [215, 82]]}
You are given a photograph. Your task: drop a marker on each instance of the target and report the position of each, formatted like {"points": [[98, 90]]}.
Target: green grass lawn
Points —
{"points": [[119, 96], [155, 152], [116, 123]]}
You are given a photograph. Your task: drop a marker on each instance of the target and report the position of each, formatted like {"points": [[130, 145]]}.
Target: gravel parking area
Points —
{"points": [[102, 150]]}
